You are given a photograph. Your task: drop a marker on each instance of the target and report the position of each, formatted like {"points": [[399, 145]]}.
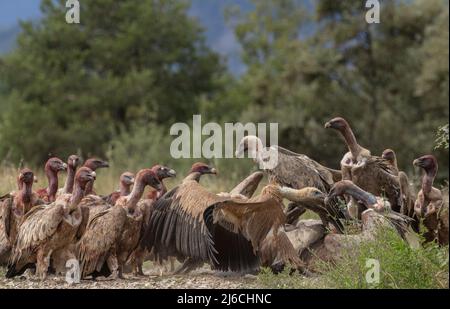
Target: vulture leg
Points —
{"points": [[43, 263], [113, 265], [138, 261]]}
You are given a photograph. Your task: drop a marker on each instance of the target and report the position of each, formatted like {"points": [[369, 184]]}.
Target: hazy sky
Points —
{"points": [[12, 10]]}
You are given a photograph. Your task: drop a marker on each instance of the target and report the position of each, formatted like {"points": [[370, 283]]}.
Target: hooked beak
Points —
{"points": [[35, 179], [132, 180], [416, 162], [104, 164], [172, 173], [328, 125], [64, 167], [93, 176], [213, 171]]}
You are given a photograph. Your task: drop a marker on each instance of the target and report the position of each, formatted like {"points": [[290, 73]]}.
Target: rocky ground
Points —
{"points": [[201, 279]]}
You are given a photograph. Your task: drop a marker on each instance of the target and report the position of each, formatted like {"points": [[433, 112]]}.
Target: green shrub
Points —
{"points": [[401, 266]]}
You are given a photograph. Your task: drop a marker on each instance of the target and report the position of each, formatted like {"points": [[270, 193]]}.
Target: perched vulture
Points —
{"points": [[373, 174], [162, 172], [191, 223], [52, 168], [113, 234], [406, 189], [244, 189], [139, 255], [72, 164], [45, 229], [430, 204], [125, 182], [94, 164], [291, 169], [12, 209]]}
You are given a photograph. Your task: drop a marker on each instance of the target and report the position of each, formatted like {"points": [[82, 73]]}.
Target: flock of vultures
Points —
{"points": [[111, 236]]}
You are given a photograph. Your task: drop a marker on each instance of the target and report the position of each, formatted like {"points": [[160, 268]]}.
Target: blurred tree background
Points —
{"points": [[114, 84]]}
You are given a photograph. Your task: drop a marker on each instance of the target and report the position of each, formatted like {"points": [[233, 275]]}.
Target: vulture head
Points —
{"points": [[427, 162], [250, 144], [26, 176], [304, 195], [163, 172], [389, 155], [84, 176], [95, 164], [147, 177], [127, 179], [202, 169], [337, 123], [73, 162], [55, 165]]}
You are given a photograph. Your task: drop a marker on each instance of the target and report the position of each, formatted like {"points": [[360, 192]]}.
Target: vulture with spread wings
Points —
{"points": [[190, 222]]}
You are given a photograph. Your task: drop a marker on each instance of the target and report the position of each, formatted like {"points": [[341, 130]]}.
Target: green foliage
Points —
{"points": [[401, 266], [74, 86], [390, 80], [442, 137]]}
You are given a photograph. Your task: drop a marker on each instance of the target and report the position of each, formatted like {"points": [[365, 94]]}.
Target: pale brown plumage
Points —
{"points": [[191, 222], [292, 170], [430, 205], [373, 174], [140, 254], [48, 228], [407, 191], [12, 209], [113, 234]]}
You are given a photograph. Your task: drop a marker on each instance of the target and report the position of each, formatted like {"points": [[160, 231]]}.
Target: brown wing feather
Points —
{"points": [[376, 176], [5, 227], [299, 171], [38, 225], [102, 233], [176, 226]]}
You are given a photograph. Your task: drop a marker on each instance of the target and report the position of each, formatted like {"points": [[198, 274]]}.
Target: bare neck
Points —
{"points": [[136, 194], [124, 189], [77, 196], [361, 195], [52, 177], [428, 180], [350, 140], [68, 185], [89, 188]]}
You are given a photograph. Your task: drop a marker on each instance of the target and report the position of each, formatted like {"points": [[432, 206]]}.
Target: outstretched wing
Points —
{"points": [[176, 226], [245, 224]]}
